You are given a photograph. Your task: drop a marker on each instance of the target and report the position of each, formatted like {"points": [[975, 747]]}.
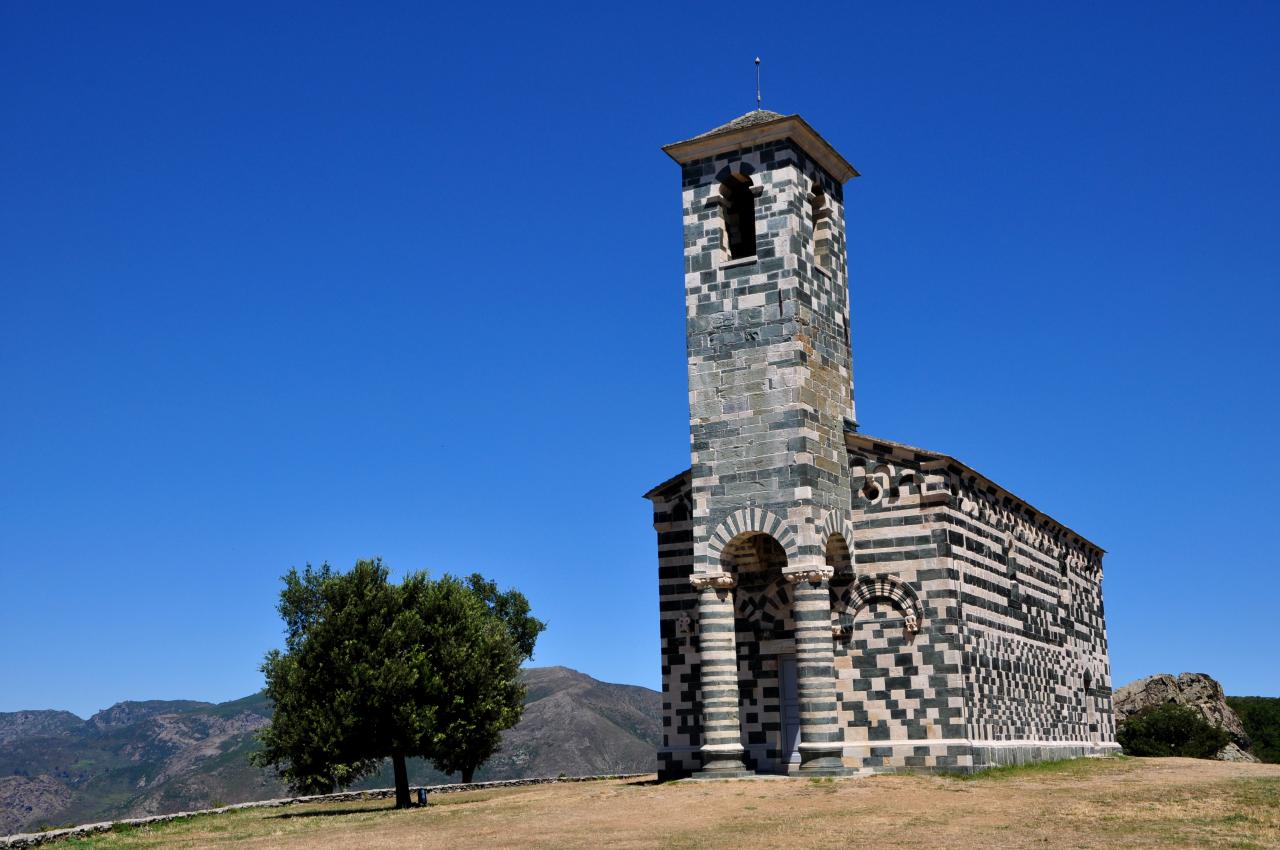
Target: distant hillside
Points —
{"points": [[35, 724], [576, 725], [138, 758], [1261, 719]]}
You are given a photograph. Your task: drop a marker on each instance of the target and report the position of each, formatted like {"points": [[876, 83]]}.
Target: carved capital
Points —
{"points": [[713, 581], [813, 576]]}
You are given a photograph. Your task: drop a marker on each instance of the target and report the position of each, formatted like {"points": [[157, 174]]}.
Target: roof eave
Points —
{"points": [[665, 484], [788, 126], [967, 468]]}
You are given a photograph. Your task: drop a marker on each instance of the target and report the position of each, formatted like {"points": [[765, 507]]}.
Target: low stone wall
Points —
{"points": [[35, 839]]}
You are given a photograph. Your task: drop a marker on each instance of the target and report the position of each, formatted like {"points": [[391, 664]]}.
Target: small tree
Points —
{"points": [[373, 670], [354, 685], [1171, 730]]}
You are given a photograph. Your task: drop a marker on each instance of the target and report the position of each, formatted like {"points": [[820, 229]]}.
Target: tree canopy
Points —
{"points": [[428, 668]]}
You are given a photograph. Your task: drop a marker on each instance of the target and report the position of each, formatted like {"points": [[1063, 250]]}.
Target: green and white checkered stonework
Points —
{"points": [[928, 617]]}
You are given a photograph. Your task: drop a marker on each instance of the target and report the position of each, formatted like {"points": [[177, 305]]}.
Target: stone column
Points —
{"points": [[722, 748], [821, 741]]}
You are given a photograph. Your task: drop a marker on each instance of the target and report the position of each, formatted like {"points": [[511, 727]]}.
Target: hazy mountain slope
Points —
{"points": [[141, 758], [573, 724], [152, 757], [32, 724], [576, 725]]}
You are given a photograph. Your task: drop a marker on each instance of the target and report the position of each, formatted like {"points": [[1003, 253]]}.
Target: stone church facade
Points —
{"points": [[833, 602]]}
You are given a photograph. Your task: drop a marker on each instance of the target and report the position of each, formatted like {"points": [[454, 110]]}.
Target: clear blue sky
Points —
{"points": [[300, 282]]}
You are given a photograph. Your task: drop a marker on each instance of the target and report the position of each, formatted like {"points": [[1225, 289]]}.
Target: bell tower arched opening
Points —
{"points": [[739, 203]]}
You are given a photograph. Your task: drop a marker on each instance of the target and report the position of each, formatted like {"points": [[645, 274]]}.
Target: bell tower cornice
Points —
{"points": [[761, 127]]}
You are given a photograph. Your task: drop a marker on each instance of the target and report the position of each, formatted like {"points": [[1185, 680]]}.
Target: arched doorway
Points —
{"points": [[768, 704]]}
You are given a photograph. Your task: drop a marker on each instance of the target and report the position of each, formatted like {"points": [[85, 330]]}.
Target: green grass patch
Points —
{"points": [[458, 799], [1064, 768], [92, 842], [1263, 792]]}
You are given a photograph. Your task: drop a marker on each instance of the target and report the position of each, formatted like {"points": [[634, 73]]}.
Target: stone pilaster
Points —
{"points": [[722, 748], [820, 737]]}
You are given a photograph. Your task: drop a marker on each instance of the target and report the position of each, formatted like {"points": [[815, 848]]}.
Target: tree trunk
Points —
{"points": [[467, 773], [402, 780]]}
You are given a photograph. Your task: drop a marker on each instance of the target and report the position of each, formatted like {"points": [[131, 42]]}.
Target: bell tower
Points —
{"points": [[767, 320], [770, 398]]}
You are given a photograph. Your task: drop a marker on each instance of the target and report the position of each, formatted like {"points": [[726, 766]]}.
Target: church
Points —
{"points": [[834, 603]]}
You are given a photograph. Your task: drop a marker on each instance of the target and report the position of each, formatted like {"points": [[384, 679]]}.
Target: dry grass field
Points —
{"points": [[1114, 803]]}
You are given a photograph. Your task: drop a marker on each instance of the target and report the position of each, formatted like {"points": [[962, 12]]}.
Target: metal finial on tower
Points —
{"points": [[757, 82]]}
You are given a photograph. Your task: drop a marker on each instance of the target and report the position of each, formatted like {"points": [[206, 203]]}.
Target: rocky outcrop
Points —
{"points": [[1231, 752], [1194, 690], [129, 712]]}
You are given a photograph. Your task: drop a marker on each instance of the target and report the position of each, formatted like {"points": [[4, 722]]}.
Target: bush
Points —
{"points": [[1171, 730], [1261, 719]]}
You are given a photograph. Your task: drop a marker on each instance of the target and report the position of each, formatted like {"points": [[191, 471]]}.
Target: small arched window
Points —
{"points": [[821, 215], [839, 558], [739, 204]]}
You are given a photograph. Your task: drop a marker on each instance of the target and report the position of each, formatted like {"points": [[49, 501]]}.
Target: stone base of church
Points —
{"points": [[997, 754], [950, 756], [966, 756], [824, 770], [719, 773]]}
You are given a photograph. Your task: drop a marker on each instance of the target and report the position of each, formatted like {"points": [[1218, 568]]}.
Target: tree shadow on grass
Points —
{"points": [[328, 813]]}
